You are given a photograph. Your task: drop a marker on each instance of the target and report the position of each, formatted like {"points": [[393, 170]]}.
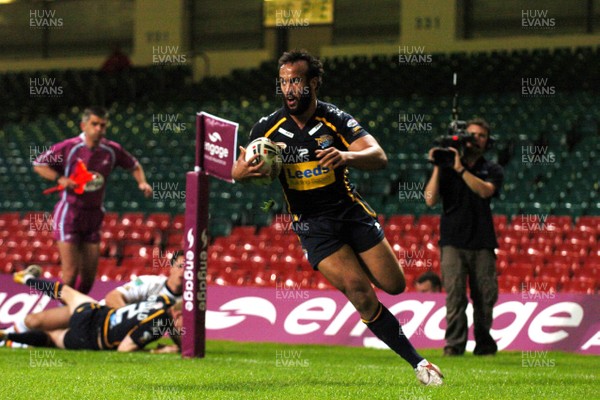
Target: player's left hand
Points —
{"points": [[331, 157], [457, 163], [165, 349], [146, 188]]}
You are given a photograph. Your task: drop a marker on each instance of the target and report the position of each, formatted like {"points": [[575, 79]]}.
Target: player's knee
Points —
{"points": [[360, 294], [397, 287], [32, 321]]}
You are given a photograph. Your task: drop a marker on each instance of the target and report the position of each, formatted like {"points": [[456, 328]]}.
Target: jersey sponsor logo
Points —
{"points": [[308, 175], [324, 141], [285, 133], [96, 183], [351, 123], [315, 129]]}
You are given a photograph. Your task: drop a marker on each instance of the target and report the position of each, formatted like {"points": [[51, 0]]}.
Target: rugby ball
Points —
{"points": [[270, 153]]}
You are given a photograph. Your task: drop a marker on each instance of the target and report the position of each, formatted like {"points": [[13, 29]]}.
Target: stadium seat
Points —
{"points": [[160, 221], [509, 284], [582, 284], [132, 219]]}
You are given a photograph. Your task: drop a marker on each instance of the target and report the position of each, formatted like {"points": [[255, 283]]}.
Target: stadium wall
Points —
{"points": [[433, 25], [523, 321]]}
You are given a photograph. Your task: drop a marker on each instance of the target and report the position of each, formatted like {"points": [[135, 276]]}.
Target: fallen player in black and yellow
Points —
{"points": [[92, 326]]}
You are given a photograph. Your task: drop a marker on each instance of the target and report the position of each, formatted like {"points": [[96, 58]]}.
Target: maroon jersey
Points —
{"points": [[100, 161]]}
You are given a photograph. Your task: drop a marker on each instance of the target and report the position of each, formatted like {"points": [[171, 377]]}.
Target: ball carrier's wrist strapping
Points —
{"points": [[387, 328]]}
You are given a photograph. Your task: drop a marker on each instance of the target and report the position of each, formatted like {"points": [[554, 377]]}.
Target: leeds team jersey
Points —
{"points": [[145, 322], [100, 161], [309, 188]]}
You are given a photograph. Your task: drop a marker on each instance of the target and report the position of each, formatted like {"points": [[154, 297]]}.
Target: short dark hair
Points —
{"points": [[315, 66], [176, 255], [432, 277], [98, 111], [482, 123]]}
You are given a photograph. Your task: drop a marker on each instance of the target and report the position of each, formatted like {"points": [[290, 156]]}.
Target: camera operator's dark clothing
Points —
{"points": [[477, 268], [466, 220], [467, 242]]}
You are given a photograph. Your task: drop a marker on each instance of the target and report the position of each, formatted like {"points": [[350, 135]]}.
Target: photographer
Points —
{"points": [[467, 237]]}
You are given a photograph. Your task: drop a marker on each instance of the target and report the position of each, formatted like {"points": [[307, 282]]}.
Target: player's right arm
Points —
{"points": [[136, 290], [127, 345], [50, 174], [115, 299], [243, 170], [50, 165]]}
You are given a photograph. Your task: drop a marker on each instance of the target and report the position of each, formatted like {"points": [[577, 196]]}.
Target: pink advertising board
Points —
{"points": [[524, 321]]}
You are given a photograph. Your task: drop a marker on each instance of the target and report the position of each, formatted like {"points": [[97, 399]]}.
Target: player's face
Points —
{"points": [[424, 287], [296, 90], [94, 128], [481, 137], [176, 271]]}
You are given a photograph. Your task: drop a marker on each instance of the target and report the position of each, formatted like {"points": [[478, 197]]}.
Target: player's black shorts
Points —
{"points": [[323, 235], [85, 326]]}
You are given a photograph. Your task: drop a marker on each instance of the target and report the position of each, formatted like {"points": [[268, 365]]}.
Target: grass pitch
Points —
{"points": [[276, 371]]}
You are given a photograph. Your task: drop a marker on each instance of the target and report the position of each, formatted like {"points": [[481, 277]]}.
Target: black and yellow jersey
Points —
{"points": [[309, 188], [144, 321]]}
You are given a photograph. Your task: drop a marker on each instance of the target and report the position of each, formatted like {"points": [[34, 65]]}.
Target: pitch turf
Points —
{"points": [[275, 371]]}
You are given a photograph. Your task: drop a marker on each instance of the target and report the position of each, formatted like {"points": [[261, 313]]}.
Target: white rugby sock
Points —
{"points": [[20, 327]]}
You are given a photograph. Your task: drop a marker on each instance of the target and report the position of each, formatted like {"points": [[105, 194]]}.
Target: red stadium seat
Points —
{"points": [[585, 236], [404, 221], [133, 219], [590, 271], [110, 219], [431, 220], [52, 272], [573, 246], [134, 264], [106, 263], [509, 284], [46, 256], [178, 222], [263, 278], [581, 284], [588, 221], [521, 270], [138, 250], [546, 239], [9, 218], [562, 222], [532, 257], [500, 222], [160, 221], [243, 231], [175, 239]]}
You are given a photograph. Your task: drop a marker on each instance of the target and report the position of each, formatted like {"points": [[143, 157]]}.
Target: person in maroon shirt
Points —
{"points": [[77, 217]]}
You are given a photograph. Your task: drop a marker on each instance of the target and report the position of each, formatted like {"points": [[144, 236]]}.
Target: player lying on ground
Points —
{"points": [[339, 231], [137, 290], [92, 326]]}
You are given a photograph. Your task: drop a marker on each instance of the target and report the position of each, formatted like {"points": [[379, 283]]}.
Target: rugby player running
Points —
{"points": [[339, 231]]}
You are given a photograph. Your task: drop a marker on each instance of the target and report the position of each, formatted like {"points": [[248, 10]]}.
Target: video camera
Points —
{"points": [[457, 137]]}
